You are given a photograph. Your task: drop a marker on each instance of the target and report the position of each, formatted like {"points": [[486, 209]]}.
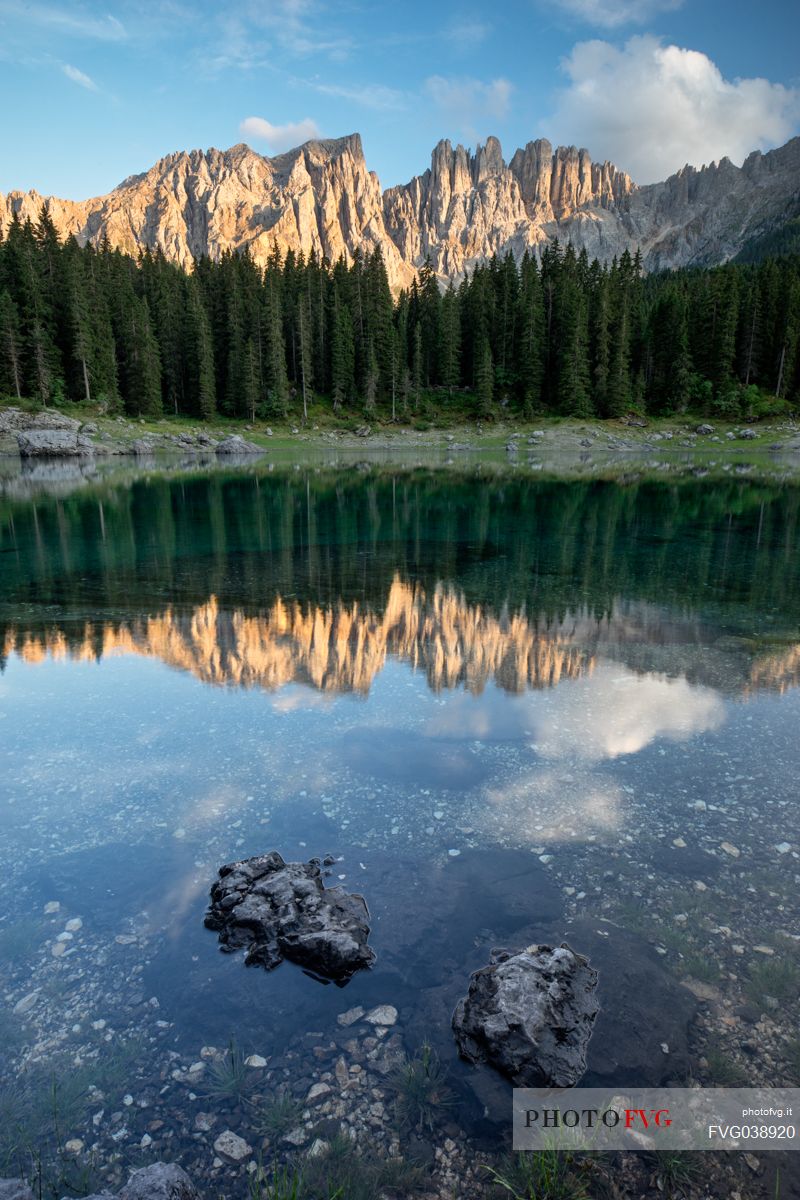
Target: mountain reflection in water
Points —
{"points": [[342, 647]]}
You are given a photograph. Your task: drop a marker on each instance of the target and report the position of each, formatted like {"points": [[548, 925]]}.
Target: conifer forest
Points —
{"points": [[559, 336]]}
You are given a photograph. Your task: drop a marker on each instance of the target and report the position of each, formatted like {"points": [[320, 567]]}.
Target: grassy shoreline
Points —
{"points": [[552, 445], [437, 427]]}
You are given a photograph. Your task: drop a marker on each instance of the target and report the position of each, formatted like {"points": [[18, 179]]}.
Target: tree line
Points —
{"points": [[559, 334]]}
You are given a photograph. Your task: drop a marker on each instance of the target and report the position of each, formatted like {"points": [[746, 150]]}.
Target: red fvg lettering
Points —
{"points": [[657, 1116]]}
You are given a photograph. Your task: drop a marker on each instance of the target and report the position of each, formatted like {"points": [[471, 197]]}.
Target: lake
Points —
{"points": [[507, 709]]}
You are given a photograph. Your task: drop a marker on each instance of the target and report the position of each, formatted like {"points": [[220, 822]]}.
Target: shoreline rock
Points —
{"points": [[530, 1015], [157, 1181], [234, 443], [281, 910], [48, 443]]}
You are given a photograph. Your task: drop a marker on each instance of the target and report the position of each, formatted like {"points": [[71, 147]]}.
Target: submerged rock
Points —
{"points": [[282, 910], [530, 1015], [159, 1181], [232, 1148]]}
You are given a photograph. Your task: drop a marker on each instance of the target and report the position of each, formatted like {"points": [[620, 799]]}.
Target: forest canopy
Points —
{"points": [[561, 335]]}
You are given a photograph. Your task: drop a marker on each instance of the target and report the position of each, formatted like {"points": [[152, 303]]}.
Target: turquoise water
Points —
{"points": [[510, 710]]}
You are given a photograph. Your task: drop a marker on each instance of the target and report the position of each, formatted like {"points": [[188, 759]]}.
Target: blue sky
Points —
{"points": [[92, 92]]}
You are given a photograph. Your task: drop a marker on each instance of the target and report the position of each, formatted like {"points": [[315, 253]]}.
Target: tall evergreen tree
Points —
{"points": [[484, 379], [10, 348]]}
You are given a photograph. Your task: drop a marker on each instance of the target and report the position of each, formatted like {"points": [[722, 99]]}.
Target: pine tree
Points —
{"points": [[201, 381], [10, 348], [428, 323], [669, 352], [278, 380], [417, 365], [142, 366], [572, 348], [531, 352], [342, 358], [80, 322], [371, 383], [306, 355], [449, 341], [600, 343], [484, 379]]}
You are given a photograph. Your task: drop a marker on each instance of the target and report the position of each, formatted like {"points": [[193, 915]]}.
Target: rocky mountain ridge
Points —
{"points": [[464, 208]]}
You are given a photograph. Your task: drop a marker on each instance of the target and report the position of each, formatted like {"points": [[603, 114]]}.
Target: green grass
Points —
{"points": [[228, 1078], [548, 1174], [276, 1117], [340, 1171], [11, 1035], [675, 937], [42, 1109], [115, 1066], [793, 1061], [422, 1092], [675, 1170], [700, 967], [725, 1071], [39, 1112], [776, 977], [285, 1183]]}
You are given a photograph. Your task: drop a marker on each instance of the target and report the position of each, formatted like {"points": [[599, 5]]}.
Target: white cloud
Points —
{"points": [[611, 14], [253, 35], [80, 77], [61, 21], [370, 95], [467, 33], [470, 105], [650, 108], [280, 137], [616, 712]]}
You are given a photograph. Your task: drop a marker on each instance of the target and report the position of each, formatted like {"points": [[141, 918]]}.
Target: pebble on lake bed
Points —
{"points": [[350, 1017], [231, 1147], [26, 1003], [384, 1014]]}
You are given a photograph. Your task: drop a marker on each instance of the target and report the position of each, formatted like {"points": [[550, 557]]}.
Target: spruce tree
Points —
{"points": [[278, 380], [10, 348], [531, 343], [342, 358], [305, 353], [484, 379], [449, 371]]}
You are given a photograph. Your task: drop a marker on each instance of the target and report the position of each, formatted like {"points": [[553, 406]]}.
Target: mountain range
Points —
{"points": [[464, 208]]}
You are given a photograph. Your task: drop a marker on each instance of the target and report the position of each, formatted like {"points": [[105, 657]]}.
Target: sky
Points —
{"points": [[93, 92]]}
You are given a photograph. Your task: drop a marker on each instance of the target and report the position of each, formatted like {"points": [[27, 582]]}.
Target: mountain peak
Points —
{"points": [[469, 205]]}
